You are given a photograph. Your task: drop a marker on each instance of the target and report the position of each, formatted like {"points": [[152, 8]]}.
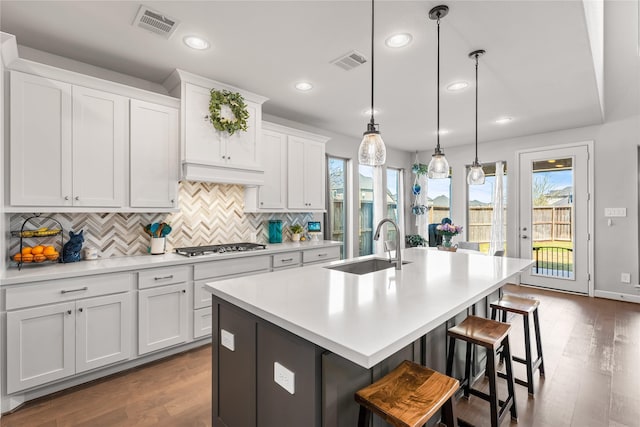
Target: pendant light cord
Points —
{"points": [[438, 92], [372, 59], [476, 162]]}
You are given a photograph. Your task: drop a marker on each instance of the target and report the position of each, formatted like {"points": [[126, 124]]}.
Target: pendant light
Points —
{"points": [[372, 151], [439, 166], [476, 174]]}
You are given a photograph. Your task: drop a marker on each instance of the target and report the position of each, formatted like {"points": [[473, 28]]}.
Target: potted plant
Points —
{"points": [[414, 240], [295, 230]]}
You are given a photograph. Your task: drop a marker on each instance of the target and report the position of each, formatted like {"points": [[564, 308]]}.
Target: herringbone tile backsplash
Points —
{"points": [[209, 214]]}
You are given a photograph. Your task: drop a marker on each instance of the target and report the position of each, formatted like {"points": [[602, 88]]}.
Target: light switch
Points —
{"points": [[615, 212], [227, 339], [284, 377]]}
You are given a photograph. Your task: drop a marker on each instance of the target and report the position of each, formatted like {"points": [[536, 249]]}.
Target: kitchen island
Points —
{"points": [[291, 347]]}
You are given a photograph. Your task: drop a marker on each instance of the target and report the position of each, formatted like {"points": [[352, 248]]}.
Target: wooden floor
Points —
{"points": [[592, 361]]}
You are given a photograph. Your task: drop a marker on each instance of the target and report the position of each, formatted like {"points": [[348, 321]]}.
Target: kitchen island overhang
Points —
{"points": [[335, 332], [366, 318]]}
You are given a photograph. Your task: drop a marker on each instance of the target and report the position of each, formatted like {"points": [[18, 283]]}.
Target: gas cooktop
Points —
{"points": [[219, 249]]}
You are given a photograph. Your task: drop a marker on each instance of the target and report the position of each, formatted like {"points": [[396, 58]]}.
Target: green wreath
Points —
{"points": [[236, 103]]}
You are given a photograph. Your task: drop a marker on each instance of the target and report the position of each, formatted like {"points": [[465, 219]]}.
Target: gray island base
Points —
{"points": [[291, 348]]}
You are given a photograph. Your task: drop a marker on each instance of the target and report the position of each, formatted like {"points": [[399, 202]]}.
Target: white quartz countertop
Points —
{"points": [[366, 318], [51, 271]]}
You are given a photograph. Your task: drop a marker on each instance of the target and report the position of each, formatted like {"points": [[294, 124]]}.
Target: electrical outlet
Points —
{"points": [[284, 377], [625, 278], [227, 339], [253, 237], [615, 212]]}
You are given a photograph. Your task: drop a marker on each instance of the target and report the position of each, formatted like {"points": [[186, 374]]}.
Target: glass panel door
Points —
{"points": [[553, 218]]}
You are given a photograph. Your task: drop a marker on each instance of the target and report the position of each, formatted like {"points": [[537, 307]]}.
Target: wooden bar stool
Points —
{"points": [[491, 335], [524, 307], [408, 396]]}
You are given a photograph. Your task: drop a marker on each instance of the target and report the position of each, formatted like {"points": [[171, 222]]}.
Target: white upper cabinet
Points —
{"points": [[154, 155], [67, 144], [211, 155], [294, 174], [273, 194], [40, 135], [306, 183], [70, 144], [99, 137]]}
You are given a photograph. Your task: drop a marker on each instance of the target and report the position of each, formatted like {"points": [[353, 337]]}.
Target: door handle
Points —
{"points": [[524, 237]]}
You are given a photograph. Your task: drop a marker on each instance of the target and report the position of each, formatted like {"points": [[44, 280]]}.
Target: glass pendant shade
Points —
{"points": [[476, 174], [438, 166], [372, 151]]}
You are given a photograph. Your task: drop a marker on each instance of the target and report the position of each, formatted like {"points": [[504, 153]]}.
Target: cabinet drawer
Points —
{"points": [[201, 298], [162, 276], [67, 290], [287, 259], [321, 254], [228, 267], [202, 322]]}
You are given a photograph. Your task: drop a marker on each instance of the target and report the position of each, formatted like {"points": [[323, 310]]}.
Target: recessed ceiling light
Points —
{"points": [[503, 120], [304, 86], [398, 40], [456, 86], [195, 42], [559, 165], [367, 112], [443, 131], [551, 161]]}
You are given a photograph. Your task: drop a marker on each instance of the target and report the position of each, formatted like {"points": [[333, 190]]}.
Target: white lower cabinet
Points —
{"points": [[163, 316], [59, 340]]}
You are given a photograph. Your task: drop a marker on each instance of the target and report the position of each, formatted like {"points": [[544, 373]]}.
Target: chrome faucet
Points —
{"points": [[398, 258]]}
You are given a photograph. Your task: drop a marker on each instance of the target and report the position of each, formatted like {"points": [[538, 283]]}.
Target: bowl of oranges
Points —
{"points": [[36, 254]]}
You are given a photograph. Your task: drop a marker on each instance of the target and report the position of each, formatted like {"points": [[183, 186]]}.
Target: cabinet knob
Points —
{"points": [[172, 201], [184, 291], [66, 197], [224, 157], [68, 311], [229, 158], [77, 197], [262, 203], [80, 309]]}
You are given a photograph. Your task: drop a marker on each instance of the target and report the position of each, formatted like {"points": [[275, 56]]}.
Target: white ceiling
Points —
{"points": [[538, 67]]}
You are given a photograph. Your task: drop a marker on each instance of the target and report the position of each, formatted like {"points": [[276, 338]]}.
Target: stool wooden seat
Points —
{"points": [[408, 396], [524, 307], [493, 336]]}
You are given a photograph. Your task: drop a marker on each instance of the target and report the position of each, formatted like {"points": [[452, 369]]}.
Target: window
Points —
{"points": [[336, 217], [480, 207], [365, 214], [393, 200]]}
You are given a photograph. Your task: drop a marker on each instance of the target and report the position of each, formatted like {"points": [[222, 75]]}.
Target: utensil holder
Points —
{"points": [[158, 245]]}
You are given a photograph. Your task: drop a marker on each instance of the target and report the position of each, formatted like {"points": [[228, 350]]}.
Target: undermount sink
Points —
{"points": [[366, 266]]}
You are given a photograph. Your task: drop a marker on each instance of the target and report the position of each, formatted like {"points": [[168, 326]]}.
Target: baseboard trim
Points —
{"points": [[618, 296]]}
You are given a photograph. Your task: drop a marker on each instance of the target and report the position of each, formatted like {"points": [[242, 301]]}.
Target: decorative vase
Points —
{"points": [[446, 241]]}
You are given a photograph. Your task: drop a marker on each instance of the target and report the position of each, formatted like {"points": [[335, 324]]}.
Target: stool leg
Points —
{"points": [[510, 386], [449, 417], [364, 417], [527, 357], [493, 313], [493, 392], [452, 348], [536, 326], [467, 370]]}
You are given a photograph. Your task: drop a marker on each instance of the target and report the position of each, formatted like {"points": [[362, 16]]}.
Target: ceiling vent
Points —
{"points": [[155, 22], [350, 61]]}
